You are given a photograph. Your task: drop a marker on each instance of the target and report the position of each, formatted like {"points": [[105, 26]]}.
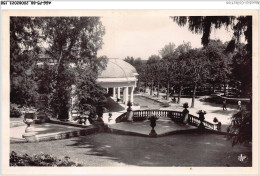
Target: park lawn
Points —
{"points": [[104, 149]]}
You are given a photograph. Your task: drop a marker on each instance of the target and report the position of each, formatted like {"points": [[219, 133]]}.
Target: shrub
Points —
{"points": [[39, 160], [41, 117], [15, 112], [241, 128]]}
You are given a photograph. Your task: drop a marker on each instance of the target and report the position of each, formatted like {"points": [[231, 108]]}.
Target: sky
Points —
{"points": [[143, 36]]}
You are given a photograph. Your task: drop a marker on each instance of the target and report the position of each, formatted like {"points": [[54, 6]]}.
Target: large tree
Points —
{"points": [[71, 40], [23, 51], [167, 50], [89, 94], [130, 60], [241, 69], [242, 60], [241, 26], [198, 69], [168, 74], [220, 61], [153, 59], [152, 69], [178, 67]]}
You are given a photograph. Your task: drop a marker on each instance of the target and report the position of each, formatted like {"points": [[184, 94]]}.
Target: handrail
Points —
{"points": [[175, 116]]}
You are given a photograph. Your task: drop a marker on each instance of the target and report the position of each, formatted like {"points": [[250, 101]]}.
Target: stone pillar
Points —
{"points": [[118, 92], [185, 113], [126, 95], [123, 95], [201, 118], [132, 95], [114, 92], [129, 113], [107, 90]]}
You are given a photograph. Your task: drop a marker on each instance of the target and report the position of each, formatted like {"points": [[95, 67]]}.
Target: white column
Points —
{"points": [[114, 92], [118, 92], [107, 90], [126, 95], [132, 94]]}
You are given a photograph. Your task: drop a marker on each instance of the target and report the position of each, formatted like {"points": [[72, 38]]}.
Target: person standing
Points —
{"points": [[239, 105], [224, 105]]}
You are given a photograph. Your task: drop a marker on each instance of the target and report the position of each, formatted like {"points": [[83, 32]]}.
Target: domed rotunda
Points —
{"points": [[119, 76]]}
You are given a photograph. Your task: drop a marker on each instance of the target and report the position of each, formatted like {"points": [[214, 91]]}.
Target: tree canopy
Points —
{"points": [[241, 25], [23, 50], [72, 42], [167, 50]]}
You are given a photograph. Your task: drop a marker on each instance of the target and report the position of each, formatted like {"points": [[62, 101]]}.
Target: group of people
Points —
{"points": [[239, 104]]}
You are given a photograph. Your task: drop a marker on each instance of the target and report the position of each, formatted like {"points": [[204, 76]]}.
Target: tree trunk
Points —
{"points": [[151, 91], [179, 96], [158, 89], [145, 86], [193, 95], [168, 89], [58, 64], [225, 89], [213, 88]]}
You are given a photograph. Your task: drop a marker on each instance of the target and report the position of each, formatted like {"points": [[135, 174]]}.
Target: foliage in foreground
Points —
{"points": [[39, 160], [241, 127]]}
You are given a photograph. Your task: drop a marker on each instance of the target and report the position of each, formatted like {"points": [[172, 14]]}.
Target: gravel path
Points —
{"points": [[212, 109]]}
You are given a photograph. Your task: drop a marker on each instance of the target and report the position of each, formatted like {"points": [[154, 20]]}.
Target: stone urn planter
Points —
{"points": [[29, 120], [153, 119], [29, 135], [201, 118]]}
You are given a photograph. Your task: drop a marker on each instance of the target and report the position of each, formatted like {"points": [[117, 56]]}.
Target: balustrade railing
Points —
{"points": [[176, 116], [193, 120], [120, 118]]}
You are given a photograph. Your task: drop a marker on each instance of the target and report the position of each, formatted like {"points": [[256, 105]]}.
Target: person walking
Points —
{"points": [[224, 105], [239, 105]]}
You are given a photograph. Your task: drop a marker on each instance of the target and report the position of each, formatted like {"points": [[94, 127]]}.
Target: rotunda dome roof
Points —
{"points": [[118, 68]]}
